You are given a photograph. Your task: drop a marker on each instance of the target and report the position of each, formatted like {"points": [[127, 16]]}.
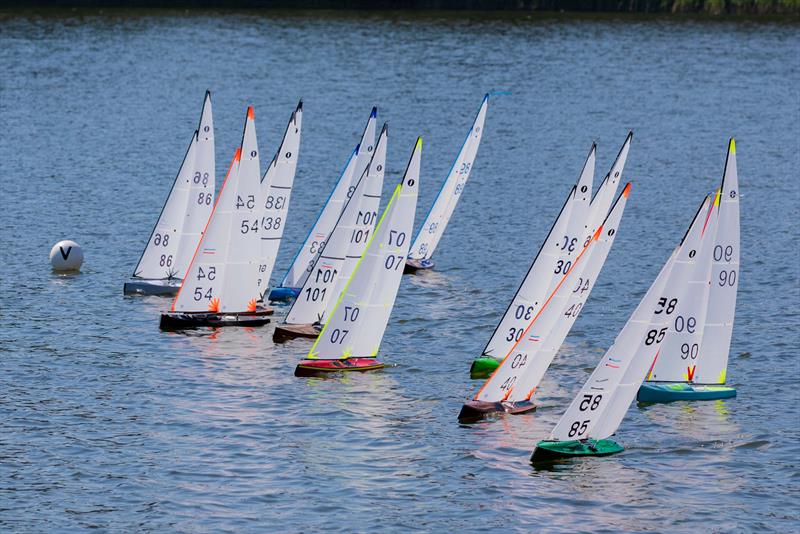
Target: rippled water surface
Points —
{"points": [[107, 422]]}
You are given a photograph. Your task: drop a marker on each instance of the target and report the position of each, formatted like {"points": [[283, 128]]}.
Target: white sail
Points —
{"points": [[712, 364], [433, 227], [605, 397], [362, 221], [319, 288], [554, 260], [318, 236], [677, 358], [221, 277], [177, 232], [548, 333], [525, 364], [358, 321], [601, 202], [277, 184]]}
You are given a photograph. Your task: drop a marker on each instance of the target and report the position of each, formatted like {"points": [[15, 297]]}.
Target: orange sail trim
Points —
{"points": [[236, 157], [538, 313], [250, 114], [251, 306], [213, 306]]}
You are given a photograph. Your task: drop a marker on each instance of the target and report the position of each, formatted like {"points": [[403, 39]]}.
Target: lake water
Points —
{"points": [[107, 422]]}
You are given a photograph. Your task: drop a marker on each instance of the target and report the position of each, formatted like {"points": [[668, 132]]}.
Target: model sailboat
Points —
{"points": [[343, 250], [183, 217], [433, 227], [512, 386], [219, 288], [598, 409], [277, 184], [572, 230], [352, 335], [692, 364], [317, 238]]}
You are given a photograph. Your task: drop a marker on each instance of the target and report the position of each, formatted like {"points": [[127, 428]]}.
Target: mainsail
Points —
{"points": [[553, 261], [318, 236], [678, 355], [361, 222], [598, 409], [186, 210], [277, 184], [221, 277], [433, 227], [320, 288], [359, 318], [712, 364], [525, 364]]}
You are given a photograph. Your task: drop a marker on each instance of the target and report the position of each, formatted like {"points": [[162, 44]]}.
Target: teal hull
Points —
{"points": [[677, 391], [548, 451]]}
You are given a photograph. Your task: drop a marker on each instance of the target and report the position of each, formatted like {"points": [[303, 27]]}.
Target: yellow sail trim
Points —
{"points": [[722, 376], [311, 354], [732, 148]]}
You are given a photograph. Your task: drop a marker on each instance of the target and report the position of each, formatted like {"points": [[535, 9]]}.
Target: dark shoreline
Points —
{"points": [[708, 7]]}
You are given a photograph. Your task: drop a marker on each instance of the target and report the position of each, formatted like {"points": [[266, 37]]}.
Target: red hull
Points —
{"points": [[322, 367]]}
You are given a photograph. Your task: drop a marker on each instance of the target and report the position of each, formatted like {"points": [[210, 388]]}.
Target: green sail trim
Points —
{"points": [[547, 451]]}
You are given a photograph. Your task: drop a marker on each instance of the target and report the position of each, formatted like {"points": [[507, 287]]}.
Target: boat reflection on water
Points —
{"points": [[702, 422]]}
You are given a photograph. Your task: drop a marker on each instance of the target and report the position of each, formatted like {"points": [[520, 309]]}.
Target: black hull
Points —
{"points": [[182, 321]]}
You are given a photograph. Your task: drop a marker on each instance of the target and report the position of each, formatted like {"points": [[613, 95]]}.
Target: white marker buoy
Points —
{"points": [[66, 256]]}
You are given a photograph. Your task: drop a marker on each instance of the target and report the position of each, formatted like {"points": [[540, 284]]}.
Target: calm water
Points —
{"points": [[107, 422]]}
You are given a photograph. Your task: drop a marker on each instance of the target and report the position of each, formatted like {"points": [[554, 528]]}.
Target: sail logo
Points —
{"points": [[690, 373]]}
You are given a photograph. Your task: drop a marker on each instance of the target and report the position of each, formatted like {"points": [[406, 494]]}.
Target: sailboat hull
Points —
{"points": [[285, 332], [184, 320], [483, 367], [413, 266], [325, 367], [677, 391], [476, 410], [283, 294], [152, 287], [548, 451]]}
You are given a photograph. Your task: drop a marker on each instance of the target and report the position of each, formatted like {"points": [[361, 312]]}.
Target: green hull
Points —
{"points": [[677, 391], [483, 367], [547, 451]]}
